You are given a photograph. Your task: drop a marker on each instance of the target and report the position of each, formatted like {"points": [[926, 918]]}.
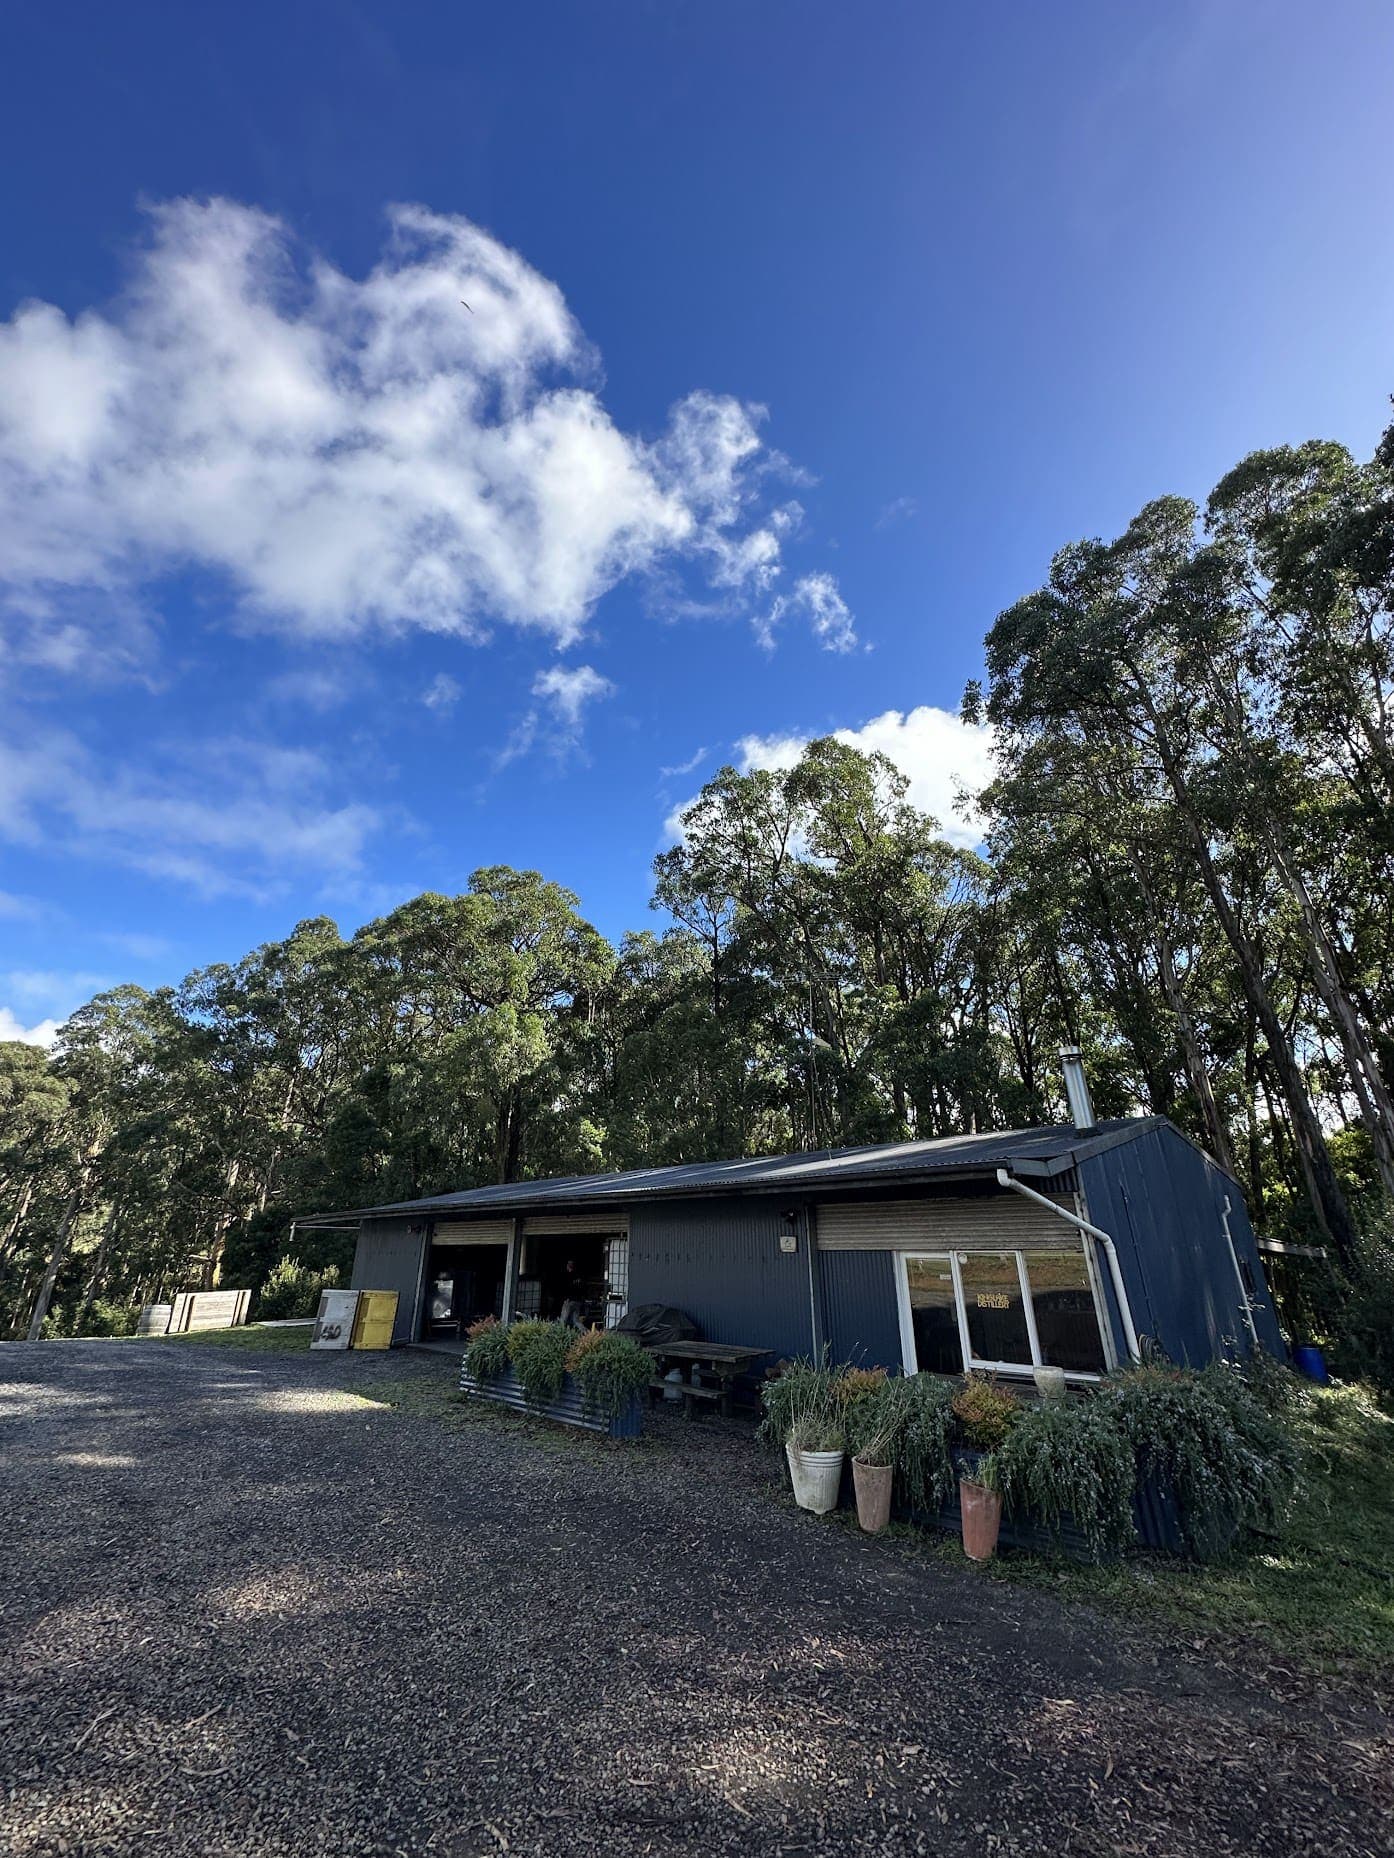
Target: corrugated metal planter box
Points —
{"points": [[569, 1407], [1017, 1531], [1155, 1516]]}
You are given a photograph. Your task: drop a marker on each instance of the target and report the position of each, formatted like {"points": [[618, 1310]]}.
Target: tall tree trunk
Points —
{"points": [[1328, 1200], [1251, 1087], [222, 1225], [1192, 1055], [98, 1271], [1362, 1064], [1324, 965], [55, 1258], [508, 1139], [16, 1222]]}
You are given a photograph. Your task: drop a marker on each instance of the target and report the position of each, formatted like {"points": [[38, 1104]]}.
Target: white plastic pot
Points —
{"points": [[817, 1476]]}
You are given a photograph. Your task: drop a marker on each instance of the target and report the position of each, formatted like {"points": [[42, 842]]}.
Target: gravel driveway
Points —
{"points": [[245, 1611]]}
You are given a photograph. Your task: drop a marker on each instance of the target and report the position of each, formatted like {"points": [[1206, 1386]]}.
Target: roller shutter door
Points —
{"points": [[472, 1232], [565, 1225], [1000, 1223]]}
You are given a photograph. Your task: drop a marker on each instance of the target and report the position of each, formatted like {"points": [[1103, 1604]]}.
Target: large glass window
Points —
{"points": [[1067, 1323], [934, 1315], [995, 1307], [978, 1302]]}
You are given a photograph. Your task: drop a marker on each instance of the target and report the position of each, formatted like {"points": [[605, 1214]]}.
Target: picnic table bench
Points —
{"points": [[725, 1361]]}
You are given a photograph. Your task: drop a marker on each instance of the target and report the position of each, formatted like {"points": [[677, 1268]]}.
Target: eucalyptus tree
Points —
{"points": [[852, 929], [1305, 541], [1088, 861], [1130, 651], [103, 1058], [34, 1102], [473, 1001], [33, 1099], [685, 1068]]}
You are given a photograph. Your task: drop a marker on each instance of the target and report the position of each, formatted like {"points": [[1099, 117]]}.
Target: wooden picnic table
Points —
{"points": [[726, 1361]]}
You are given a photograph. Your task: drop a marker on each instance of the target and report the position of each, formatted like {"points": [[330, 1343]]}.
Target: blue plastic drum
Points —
{"points": [[1311, 1362]]}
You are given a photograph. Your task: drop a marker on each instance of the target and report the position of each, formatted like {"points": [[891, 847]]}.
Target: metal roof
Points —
{"points": [[1039, 1152]]}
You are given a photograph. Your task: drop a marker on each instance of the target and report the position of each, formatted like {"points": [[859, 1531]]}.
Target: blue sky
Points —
{"points": [[799, 336]]}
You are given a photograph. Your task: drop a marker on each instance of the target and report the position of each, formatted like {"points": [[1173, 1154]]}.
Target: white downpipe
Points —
{"points": [[1115, 1270], [1244, 1298]]}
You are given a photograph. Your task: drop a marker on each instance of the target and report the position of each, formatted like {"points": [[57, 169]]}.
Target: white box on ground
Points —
{"points": [[334, 1323]]}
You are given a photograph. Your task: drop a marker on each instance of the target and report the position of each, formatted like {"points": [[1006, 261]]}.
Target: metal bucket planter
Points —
{"points": [[817, 1478], [568, 1409]]}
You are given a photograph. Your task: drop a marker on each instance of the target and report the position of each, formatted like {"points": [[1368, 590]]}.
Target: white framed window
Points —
{"points": [[616, 1280], [1002, 1312]]}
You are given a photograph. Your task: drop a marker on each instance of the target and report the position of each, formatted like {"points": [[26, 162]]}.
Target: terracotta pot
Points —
{"points": [[981, 1510], [873, 1486]]}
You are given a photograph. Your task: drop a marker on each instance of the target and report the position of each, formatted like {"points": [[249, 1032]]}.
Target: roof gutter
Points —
{"points": [[1115, 1270]]}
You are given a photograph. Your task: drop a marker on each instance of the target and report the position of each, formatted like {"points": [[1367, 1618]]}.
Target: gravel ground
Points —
{"points": [[244, 1611]]}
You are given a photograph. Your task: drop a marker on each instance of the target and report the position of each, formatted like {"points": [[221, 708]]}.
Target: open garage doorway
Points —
{"points": [[465, 1278], [579, 1277]]}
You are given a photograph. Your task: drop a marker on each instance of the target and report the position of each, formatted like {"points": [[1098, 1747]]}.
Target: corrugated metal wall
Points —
{"points": [[1161, 1201], [859, 1305], [389, 1257], [719, 1259]]}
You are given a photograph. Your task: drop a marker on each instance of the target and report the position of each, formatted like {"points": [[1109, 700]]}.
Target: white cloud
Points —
{"points": [[689, 766], [814, 597], [13, 1029], [569, 691], [898, 510], [936, 751], [47, 987], [312, 687], [348, 454], [51, 995], [222, 816], [136, 944], [442, 693], [19, 909], [557, 719]]}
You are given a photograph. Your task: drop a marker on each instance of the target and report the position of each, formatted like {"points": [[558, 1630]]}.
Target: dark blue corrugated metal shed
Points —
{"points": [[1166, 1205], [720, 1260], [733, 1242]]}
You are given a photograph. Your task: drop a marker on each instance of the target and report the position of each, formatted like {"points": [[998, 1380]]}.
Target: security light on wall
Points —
{"points": [[789, 1238]]}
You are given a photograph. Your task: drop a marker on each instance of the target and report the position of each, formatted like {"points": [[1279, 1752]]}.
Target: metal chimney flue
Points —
{"points": [[1077, 1087]]}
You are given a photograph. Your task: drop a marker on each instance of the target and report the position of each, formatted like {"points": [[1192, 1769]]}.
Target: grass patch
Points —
{"points": [[1320, 1594], [252, 1339], [424, 1397]]}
